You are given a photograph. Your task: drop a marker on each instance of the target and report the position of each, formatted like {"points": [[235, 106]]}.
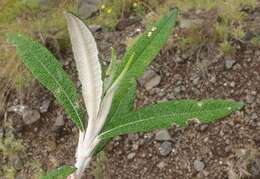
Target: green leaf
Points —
{"points": [[164, 115], [60, 173], [126, 106], [149, 44], [144, 50], [49, 72]]}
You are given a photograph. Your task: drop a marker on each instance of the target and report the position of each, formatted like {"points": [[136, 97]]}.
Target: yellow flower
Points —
{"points": [[135, 4], [103, 6], [109, 10]]}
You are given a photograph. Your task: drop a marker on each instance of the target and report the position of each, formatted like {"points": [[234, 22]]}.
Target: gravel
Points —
{"points": [[254, 116], [59, 122], [165, 148], [45, 105], [150, 79], [163, 135], [229, 63], [31, 116], [161, 165], [87, 7], [178, 59], [16, 162], [198, 165], [131, 156]]}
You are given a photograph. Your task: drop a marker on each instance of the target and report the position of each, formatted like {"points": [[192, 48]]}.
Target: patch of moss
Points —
{"points": [[9, 172], [99, 168], [10, 147]]}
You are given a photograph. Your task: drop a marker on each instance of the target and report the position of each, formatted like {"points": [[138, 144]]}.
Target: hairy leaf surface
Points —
{"points": [[164, 115], [60, 173], [86, 56], [126, 105], [49, 72]]}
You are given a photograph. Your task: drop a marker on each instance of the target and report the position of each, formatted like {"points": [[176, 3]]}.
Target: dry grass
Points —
{"points": [[17, 16], [223, 22]]}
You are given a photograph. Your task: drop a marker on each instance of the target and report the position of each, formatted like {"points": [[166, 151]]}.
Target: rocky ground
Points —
{"points": [[229, 148]]}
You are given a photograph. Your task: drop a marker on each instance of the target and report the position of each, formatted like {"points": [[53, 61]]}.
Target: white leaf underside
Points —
{"points": [[89, 70]]}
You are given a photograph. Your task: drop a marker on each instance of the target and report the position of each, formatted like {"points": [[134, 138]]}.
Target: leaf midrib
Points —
{"points": [[154, 36], [142, 120], [60, 87], [140, 54]]}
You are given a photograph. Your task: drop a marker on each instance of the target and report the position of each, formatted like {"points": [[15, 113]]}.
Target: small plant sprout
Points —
{"points": [[109, 101]]}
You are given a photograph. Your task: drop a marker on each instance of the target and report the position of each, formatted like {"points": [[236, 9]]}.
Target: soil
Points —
{"points": [[229, 148]]}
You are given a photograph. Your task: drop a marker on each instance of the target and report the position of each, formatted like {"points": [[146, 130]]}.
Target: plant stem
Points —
{"points": [[84, 155]]}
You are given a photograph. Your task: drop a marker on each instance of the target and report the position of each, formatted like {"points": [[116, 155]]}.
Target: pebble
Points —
{"points": [[203, 127], [31, 116], [254, 116], [165, 148], [146, 76], [199, 165], [228, 148], [131, 156], [45, 106], [152, 82], [59, 122], [232, 84], [163, 135], [195, 80], [177, 90], [94, 27], [87, 7], [178, 59], [16, 162], [213, 79], [19, 109], [161, 165], [229, 63], [150, 79]]}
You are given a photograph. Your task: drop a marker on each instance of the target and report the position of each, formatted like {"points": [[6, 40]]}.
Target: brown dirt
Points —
{"points": [[228, 148]]}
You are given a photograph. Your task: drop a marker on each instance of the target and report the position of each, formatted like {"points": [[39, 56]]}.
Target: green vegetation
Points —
{"points": [[10, 147], [111, 11], [60, 173], [224, 21], [98, 169], [50, 73], [27, 17], [110, 106]]}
